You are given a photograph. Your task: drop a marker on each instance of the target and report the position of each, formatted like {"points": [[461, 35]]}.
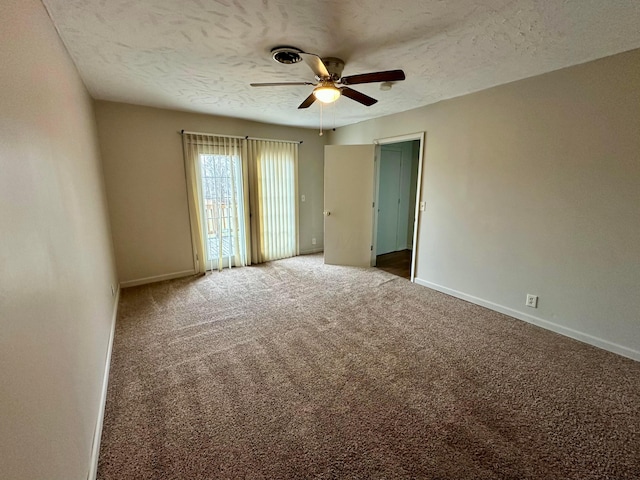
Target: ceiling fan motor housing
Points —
{"points": [[334, 67]]}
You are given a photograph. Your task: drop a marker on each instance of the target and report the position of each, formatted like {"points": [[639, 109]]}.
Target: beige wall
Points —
{"points": [[534, 187], [142, 154], [56, 261]]}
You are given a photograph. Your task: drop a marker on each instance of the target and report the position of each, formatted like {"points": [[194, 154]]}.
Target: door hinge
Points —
{"points": [[373, 205], [372, 248]]}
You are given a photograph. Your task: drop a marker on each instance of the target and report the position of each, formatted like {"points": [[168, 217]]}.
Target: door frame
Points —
{"points": [[420, 136]]}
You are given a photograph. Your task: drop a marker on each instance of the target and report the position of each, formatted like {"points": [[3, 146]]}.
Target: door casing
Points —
{"points": [[420, 136]]}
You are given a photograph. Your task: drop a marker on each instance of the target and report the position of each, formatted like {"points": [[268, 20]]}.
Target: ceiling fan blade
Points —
{"points": [[308, 101], [357, 96], [316, 64], [280, 84], [388, 76]]}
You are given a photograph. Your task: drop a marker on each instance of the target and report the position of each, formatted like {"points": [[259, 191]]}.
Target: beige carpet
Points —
{"points": [[294, 369]]}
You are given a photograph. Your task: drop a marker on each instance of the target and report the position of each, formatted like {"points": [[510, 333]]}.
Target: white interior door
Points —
{"points": [[395, 214], [348, 204], [405, 211], [388, 200]]}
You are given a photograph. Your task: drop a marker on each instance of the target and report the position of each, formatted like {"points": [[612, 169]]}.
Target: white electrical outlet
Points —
{"points": [[532, 301], [423, 205], [313, 241]]}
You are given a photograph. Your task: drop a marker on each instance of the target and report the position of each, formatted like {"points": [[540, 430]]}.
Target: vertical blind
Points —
{"points": [[242, 199], [273, 192]]}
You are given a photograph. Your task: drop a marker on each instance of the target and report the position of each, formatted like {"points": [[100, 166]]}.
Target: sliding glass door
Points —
{"points": [[223, 209], [226, 178]]}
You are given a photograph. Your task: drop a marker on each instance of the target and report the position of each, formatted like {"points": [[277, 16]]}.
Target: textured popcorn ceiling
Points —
{"points": [[201, 55]]}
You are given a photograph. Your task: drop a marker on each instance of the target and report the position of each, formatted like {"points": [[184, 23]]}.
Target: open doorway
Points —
{"points": [[397, 186]]}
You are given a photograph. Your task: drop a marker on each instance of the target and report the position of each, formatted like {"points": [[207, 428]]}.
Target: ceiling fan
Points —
{"points": [[330, 84]]}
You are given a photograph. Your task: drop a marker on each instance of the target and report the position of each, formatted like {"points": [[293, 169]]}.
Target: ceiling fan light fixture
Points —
{"points": [[326, 93]]}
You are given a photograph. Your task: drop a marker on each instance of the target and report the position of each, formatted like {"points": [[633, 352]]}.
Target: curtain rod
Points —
{"points": [[247, 137]]}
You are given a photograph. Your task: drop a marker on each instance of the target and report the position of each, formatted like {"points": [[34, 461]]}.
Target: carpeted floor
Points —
{"points": [[294, 369]]}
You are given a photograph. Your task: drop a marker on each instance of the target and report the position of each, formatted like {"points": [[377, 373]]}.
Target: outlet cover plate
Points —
{"points": [[532, 301]]}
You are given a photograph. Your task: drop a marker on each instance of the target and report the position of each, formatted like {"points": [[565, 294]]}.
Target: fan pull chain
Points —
{"points": [[321, 105], [333, 110]]}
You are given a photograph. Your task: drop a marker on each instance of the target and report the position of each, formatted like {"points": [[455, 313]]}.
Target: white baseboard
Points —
{"points": [[313, 250], [540, 322], [95, 448], [157, 278]]}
